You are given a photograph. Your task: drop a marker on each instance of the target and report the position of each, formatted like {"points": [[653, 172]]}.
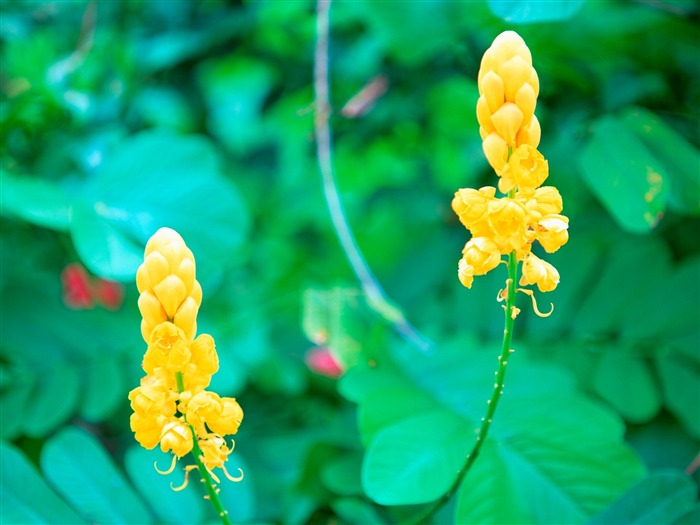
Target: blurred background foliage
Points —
{"points": [[121, 117]]}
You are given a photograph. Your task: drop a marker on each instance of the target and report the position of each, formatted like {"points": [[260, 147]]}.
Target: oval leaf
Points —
{"points": [[22, 489], [629, 181], [81, 470]]}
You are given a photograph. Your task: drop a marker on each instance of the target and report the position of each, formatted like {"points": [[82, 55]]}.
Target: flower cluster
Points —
{"points": [[171, 406], [508, 88]]}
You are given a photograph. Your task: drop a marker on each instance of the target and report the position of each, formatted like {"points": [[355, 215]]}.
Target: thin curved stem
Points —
{"points": [[206, 477], [376, 297], [496, 394]]}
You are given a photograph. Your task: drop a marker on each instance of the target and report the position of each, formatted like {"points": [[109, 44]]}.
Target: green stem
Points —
{"points": [[376, 297], [495, 395], [206, 477]]}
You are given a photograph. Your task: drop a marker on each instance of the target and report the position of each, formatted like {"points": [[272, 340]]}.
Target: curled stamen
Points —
{"points": [[534, 303], [230, 477], [213, 476], [187, 480], [165, 472]]}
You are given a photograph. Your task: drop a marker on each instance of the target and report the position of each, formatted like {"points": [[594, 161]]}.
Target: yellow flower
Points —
{"points": [[176, 436], [551, 231], [526, 168], [539, 272], [480, 255], [471, 206], [508, 220]]}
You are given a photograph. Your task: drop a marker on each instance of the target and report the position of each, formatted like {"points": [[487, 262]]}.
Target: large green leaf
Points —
{"points": [[537, 444], [680, 158], [634, 394], [629, 181], [157, 179], [83, 472], [662, 497], [25, 496], [53, 400], [103, 389], [417, 459], [184, 507], [530, 11], [35, 200]]}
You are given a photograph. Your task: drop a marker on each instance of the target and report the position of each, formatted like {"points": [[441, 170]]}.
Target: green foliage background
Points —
{"points": [[197, 116]]}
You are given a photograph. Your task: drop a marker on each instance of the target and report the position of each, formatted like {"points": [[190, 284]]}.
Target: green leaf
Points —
{"points": [[184, 507], [416, 460], [680, 376], [628, 180], [18, 383], [35, 200], [104, 389], [612, 295], [557, 466], [626, 381], [157, 179], [662, 497], [356, 511], [680, 158], [25, 496], [342, 476], [530, 11], [53, 400], [235, 89], [82, 471]]}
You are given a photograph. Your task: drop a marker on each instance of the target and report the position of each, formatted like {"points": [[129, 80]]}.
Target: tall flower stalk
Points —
{"points": [[504, 228], [172, 406]]}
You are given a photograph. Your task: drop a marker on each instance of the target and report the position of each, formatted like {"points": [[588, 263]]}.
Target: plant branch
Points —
{"points": [[376, 297], [496, 394], [212, 491]]}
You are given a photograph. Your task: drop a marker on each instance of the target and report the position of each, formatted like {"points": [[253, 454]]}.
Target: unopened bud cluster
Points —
{"points": [[508, 88], [171, 406]]}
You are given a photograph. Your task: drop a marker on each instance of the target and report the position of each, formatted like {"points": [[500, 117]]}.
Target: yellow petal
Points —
{"points": [[492, 89], [496, 151], [529, 133], [507, 121], [515, 72], [526, 100], [483, 115], [171, 293]]}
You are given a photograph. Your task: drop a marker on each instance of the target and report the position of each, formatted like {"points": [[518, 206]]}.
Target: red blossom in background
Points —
{"points": [[319, 359], [82, 292]]}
